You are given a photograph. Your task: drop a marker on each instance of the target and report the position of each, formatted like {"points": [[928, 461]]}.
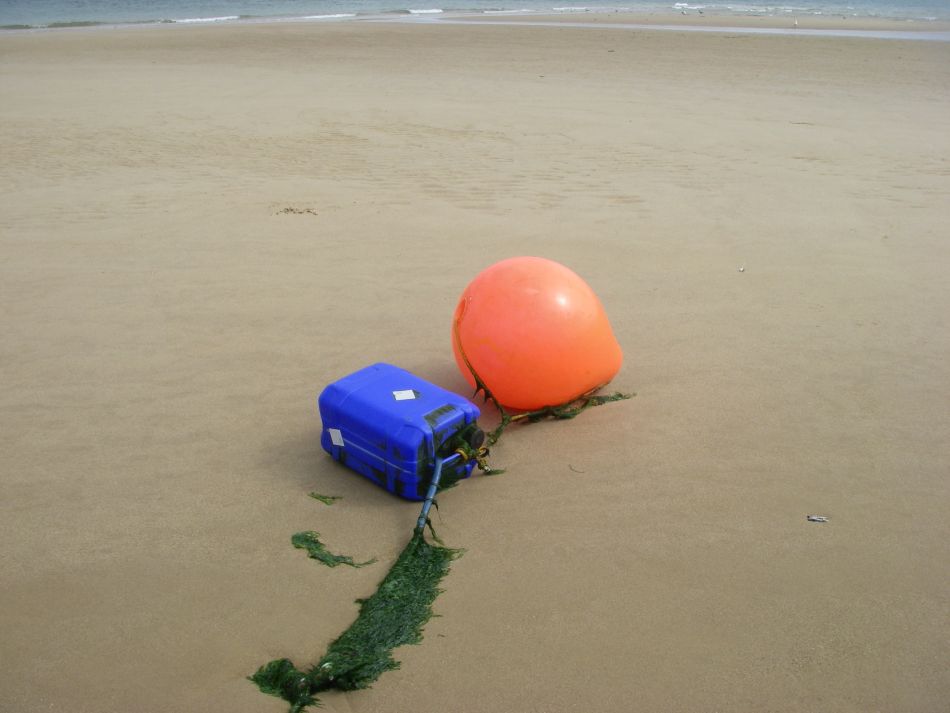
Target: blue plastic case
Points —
{"points": [[389, 426]]}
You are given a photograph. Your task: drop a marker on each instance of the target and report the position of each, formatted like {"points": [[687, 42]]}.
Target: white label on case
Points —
{"points": [[404, 395], [336, 438]]}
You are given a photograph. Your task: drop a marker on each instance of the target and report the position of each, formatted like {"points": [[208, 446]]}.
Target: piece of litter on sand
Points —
{"points": [[741, 268], [816, 518]]}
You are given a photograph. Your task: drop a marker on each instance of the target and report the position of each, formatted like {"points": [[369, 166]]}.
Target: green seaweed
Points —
{"points": [[326, 499], [564, 411], [393, 616], [309, 541]]}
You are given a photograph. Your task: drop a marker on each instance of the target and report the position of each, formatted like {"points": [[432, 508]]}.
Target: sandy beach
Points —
{"points": [[201, 227]]}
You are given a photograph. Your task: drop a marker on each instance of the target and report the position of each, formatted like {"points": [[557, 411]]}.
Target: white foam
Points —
{"points": [[328, 17], [433, 11], [586, 8], [770, 9], [208, 19], [919, 35]]}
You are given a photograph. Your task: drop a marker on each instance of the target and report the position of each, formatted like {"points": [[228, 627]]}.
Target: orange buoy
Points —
{"points": [[535, 333]]}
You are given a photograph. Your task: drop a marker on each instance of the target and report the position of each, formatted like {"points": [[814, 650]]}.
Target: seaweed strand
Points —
{"points": [[317, 550], [393, 616], [326, 499]]}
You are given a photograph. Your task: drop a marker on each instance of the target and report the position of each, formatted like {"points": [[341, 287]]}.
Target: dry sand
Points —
{"points": [[201, 227]]}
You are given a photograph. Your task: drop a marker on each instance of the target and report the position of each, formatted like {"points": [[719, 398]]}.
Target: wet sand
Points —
{"points": [[201, 227]]}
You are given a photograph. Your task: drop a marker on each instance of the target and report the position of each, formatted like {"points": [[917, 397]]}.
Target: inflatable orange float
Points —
{"points": [[534, 333]]}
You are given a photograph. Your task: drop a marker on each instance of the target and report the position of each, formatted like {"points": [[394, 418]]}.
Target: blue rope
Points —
{"points": [[433, 486]]}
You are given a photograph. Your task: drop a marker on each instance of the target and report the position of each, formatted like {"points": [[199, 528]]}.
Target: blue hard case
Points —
{"points": [[389, 426]]}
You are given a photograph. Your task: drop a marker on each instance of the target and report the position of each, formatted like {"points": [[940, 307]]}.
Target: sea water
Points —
{"points": [[22, 14]]}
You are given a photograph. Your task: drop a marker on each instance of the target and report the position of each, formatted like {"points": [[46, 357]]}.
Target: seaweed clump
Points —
{"points": [[317, 550], [326, 499], [393, 616]]}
